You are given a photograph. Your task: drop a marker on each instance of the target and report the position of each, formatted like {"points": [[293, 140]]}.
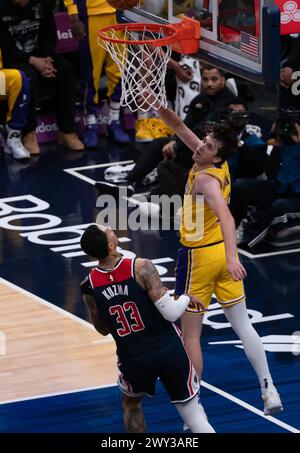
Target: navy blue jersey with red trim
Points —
{"points": [[133, 320]]}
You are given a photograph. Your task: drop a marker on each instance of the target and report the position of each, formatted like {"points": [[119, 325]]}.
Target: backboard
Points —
{"points": [[241, 37]]}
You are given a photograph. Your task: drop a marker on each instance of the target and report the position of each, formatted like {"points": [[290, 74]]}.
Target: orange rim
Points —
{"points": [[170, 32]]}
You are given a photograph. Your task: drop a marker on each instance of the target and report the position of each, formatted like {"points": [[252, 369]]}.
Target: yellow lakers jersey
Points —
{"points": [[92, 7], [199, 225]]}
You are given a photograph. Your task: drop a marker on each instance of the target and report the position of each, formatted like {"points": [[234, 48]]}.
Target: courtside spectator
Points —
{"points": [[28, 39]]}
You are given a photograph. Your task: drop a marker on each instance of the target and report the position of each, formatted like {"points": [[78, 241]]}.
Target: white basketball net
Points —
{"points": [[143, 68]]}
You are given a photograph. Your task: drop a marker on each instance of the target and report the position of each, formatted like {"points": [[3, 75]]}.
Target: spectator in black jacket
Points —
{"points": [[28, 40], [290, 53], [214, 94]]}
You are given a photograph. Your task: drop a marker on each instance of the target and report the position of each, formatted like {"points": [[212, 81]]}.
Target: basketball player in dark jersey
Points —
{"points": [[125, 297]]}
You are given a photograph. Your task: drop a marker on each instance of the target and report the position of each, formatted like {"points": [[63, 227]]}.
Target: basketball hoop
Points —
{"points": [[137, 50]]}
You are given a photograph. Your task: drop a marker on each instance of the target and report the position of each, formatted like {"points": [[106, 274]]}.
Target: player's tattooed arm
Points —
{"points": [[99, 324], [148, 278]]}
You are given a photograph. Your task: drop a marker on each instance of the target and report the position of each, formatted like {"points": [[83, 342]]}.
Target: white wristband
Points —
{"points": [[172, 309]]}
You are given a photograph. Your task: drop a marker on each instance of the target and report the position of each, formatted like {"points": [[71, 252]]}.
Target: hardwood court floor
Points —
{"points": [[47, 350]]}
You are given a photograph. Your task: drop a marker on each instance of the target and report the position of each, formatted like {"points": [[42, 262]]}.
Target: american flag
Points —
{"points": [[249, 44]]}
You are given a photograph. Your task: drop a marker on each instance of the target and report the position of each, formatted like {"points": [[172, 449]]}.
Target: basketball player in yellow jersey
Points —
{"points": [[208, 262]]}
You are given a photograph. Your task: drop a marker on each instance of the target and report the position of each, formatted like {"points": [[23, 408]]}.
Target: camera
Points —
{"points": [[285, 125], [237, 120]]}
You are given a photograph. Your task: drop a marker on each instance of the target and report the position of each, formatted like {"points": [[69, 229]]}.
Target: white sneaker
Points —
{"points": [[272, 401], [117, 173], [15, 146]]}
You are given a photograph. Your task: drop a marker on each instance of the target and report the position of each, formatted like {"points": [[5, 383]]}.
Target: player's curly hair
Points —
{"points": [[94, 242], [225, 135]]}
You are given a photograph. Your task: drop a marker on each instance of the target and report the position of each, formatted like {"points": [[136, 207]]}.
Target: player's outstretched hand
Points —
{"points": [[197, 301], [236, 269]]}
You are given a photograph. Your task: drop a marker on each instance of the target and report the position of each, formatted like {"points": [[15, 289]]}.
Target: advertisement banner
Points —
{"points": [[289, 16]]}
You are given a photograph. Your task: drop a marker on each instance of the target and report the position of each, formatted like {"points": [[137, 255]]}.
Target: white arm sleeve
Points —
{"points": [[172, 309]]}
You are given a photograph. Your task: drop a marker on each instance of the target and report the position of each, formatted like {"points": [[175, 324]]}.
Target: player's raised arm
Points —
{"points": [[174, 122], [182, 131]]}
